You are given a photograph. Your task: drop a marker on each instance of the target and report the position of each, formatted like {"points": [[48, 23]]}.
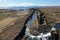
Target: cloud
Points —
{"points": [[0, 0], [22, 4], [17, 4], [3, 0], [33, 4], [27, 4]]}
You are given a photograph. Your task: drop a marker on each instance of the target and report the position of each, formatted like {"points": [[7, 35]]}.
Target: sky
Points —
{"points": [[13, 3]]}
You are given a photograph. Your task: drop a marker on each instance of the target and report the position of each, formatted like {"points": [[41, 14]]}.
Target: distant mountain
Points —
{"points": [[28, 7], [21, 7]]}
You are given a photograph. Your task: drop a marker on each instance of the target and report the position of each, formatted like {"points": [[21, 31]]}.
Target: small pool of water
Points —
{"points": [[57, 26]]}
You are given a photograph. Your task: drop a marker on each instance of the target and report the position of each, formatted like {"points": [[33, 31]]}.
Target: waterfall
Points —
{"points": [[32, 37]]}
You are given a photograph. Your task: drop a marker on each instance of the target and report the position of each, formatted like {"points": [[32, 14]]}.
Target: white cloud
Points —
{"points": [[0, 0], [28, 4], [22, 4], [3, 0], [17, 4], [33, 4]]}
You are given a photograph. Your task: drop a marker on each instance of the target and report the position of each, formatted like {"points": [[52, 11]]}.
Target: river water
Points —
{"points": [[40, 36]]}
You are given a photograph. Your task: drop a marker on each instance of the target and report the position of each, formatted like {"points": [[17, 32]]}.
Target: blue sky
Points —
{"points": [[12, 3]]}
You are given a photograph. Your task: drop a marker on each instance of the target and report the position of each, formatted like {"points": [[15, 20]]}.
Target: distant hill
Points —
{"points": [[28, 7], [21, 7]]}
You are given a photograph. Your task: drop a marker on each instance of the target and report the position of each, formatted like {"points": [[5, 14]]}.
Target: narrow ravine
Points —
{"points": [[36, 28], [38, 33]]}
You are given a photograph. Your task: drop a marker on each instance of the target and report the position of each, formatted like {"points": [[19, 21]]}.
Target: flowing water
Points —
{"points": [[38, 35]]}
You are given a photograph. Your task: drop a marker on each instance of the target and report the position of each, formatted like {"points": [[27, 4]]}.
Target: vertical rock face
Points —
{"points": [[40, 17], [54, 35]]}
